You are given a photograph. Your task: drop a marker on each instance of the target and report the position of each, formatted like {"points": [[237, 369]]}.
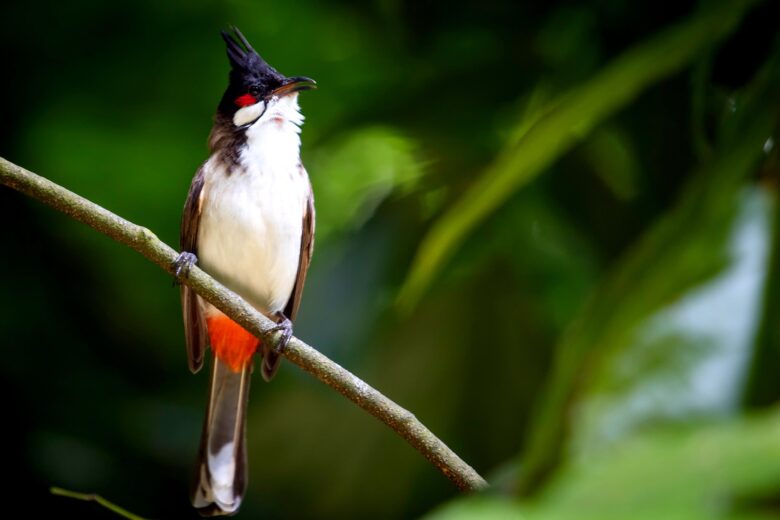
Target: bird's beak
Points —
{"points": [[295, 84]]}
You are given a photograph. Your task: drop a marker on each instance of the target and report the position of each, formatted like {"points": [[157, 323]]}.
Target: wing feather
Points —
{"points": [[307, 248], [194, 323]]}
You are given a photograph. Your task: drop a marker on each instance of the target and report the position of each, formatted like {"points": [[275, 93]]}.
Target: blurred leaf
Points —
{"points": [[481, 507], [721, 470], [355, 174], [763, 386], [699, 82], [684, 249], [538, 244], [705, 472], [570, 119], [687, 361], [611, 154], [568, 40]]}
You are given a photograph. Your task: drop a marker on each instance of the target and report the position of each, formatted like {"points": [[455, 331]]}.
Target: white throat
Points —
{"points": [[273, 139]]}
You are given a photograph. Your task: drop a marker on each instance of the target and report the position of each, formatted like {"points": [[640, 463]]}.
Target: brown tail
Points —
{"points": [[221, 477]]}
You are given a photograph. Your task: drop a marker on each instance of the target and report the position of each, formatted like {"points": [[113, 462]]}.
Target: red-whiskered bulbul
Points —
{"points": [[249, 222]]}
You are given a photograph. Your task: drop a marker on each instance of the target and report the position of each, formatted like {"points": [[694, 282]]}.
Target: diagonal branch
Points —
{"points": [[91, 497], [403, 422]]}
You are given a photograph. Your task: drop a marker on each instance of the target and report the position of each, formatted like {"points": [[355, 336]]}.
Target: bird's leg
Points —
{"points": [[284, 329], [183, 264]]}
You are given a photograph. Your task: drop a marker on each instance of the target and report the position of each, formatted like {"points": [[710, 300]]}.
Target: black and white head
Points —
{"points": [[256, 92]]}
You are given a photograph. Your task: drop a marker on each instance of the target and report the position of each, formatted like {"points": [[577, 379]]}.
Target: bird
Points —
{"points": [[248, 221]]}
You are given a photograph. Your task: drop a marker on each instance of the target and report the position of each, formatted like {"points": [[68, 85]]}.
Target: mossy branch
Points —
{"points": [[309, 359]]}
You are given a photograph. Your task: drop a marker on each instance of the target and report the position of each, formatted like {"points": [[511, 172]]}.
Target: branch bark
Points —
{"points": [[139, 238]]}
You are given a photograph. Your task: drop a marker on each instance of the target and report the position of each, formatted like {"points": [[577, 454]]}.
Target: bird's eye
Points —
{"points": [[254, 90]]}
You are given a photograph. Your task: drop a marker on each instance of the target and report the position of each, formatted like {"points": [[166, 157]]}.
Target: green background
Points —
{"points": [[549, 230]]}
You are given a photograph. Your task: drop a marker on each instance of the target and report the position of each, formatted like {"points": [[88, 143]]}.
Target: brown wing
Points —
{"points": [[194, 324], [271, 359], [307, 248]]}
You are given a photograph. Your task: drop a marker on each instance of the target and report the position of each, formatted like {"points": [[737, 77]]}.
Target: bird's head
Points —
{"points": [[254, 85]]}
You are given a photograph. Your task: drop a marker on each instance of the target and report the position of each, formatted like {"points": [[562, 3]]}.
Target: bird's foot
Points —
{"points": [[182, 265], [284, 331]]}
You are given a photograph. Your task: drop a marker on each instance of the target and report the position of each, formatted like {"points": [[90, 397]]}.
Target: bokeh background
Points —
{"points": [[548, 229]]}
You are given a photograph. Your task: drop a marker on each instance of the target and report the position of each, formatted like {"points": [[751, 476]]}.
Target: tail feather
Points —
{"points": [[221, 477], [270, 363]]}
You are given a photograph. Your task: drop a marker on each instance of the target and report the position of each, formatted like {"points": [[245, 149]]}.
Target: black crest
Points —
{"points": [[248, 71]]}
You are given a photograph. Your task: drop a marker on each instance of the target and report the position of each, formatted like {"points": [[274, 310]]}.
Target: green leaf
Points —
{"points": [[481, 507], [719, 470], [687, 361], [612, 158], [763, 386], [713, 471], [356, 173], [567, 121], [684, 249]]}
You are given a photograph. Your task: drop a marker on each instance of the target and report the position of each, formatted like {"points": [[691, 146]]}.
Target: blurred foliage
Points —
{"points": [[716, 470], [357, 173], [589, 188], [555, 129], [658, 272], [762, 387]]}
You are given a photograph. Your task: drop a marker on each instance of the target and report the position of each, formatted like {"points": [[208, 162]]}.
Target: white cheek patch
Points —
{"points": [[249, 114]]}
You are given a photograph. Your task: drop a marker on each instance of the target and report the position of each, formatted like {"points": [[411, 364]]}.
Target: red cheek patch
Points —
{"points": [[245, 100]]}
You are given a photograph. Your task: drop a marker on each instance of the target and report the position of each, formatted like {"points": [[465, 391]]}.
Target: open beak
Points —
{"points": [[294, 84]]}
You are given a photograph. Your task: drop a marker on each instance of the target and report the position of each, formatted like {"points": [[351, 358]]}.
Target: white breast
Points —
{"points": [[251, 219]]}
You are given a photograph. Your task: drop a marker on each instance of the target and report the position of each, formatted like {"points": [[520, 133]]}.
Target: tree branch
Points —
{"points": [[91, 497], [309, 359]]}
